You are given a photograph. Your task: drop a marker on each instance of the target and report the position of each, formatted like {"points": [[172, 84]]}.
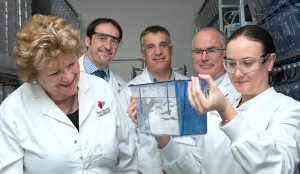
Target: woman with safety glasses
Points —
{"points": [[263, 126]]}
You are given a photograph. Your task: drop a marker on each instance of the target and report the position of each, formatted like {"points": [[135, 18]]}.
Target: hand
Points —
{"points": [[162, 141], [131, 110], [214, 101]]}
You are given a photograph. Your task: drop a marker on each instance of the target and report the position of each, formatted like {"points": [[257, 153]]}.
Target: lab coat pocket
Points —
{"points": [[105, 141]]}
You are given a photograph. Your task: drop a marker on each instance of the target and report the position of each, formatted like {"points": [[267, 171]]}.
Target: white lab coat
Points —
{"points": [[37, 137], [274, 118], [116, 82], [176, 157]]}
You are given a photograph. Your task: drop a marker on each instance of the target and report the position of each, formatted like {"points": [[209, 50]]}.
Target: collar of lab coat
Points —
{"points": [[142, 78], [225, 84], [228, 89], [49, 108]]}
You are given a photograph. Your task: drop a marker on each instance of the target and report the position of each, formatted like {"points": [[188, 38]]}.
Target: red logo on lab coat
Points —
{"points": [[101, 104]]}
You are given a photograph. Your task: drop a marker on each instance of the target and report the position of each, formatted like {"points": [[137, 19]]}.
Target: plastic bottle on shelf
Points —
{"points": [[286, 29], [276, 32], [293, 19], [265, 4]]}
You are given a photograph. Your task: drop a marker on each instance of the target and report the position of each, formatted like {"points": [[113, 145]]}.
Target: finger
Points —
{"points": [[198, 96], [134, 118], [133, 114], [131, 98], [190, 94], [208, 79], [132, 108], [193, 91], [132, 102], [196, 90]]}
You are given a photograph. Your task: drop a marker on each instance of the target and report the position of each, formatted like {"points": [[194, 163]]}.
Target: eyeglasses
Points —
{"points": [[161, 46], [104, 38], [210, 51], [246, 65]]}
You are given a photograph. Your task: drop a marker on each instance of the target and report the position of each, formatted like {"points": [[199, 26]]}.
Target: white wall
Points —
{"points": [[134, 16]]}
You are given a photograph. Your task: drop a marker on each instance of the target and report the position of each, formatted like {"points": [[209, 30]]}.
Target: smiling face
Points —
{"points": [[100, 53], [158, 60], [255, 82], [60, 82], [210, 63]]}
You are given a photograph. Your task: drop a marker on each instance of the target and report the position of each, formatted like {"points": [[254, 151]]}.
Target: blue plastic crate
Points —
{"points": [[163, 109]]}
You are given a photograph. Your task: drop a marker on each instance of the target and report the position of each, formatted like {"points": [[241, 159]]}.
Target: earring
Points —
{"points": [[271, 68], [34, 81]]}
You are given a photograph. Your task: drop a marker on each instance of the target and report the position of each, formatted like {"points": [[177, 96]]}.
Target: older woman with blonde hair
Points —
{"points": [[60, 120]]}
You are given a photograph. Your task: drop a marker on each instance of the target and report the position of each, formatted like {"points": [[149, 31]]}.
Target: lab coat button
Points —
{"points": [[75, 142]]}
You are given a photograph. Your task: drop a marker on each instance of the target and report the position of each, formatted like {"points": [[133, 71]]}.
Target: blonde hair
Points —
{"points": [[41, 41]]}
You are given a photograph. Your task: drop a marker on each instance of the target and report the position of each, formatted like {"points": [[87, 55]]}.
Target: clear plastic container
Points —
{"points": [[163, 109]]}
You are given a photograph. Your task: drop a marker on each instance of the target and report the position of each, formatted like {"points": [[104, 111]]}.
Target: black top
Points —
{"points": [[74, 117]]}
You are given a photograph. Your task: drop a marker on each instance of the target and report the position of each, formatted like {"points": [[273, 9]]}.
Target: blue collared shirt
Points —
{"points": [[90, 68]]}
